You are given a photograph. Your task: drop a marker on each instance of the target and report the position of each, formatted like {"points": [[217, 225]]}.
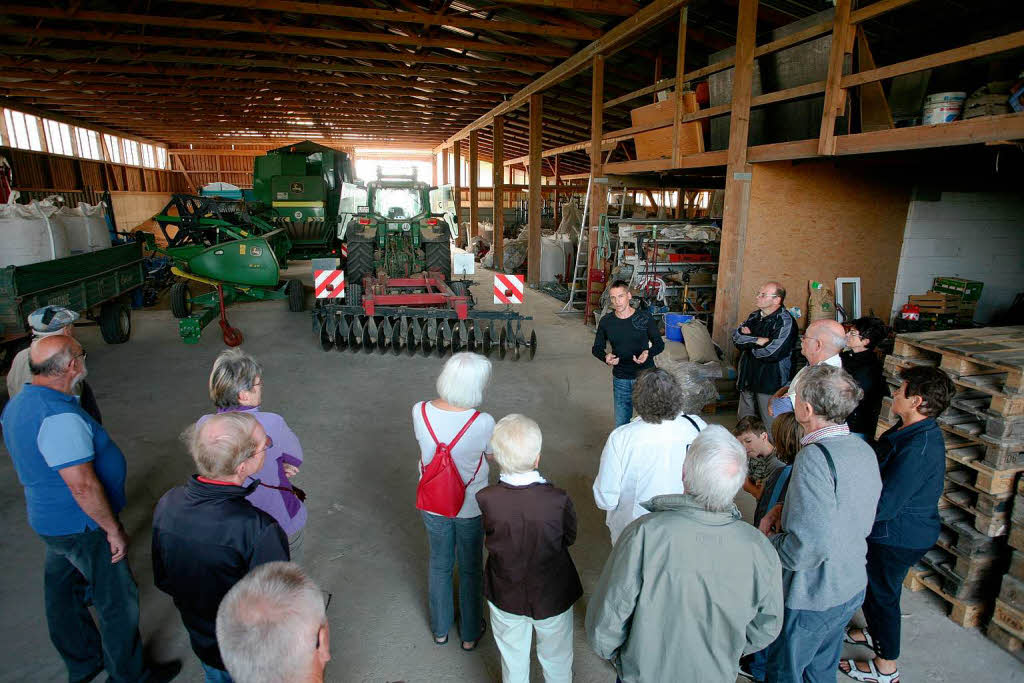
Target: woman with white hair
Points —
{"points": [[452, 421], [531, 582], [236, 386], [644, 458]]}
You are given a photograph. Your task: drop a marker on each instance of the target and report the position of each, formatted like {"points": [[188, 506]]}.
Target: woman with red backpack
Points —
{"points": [[454, 441]]}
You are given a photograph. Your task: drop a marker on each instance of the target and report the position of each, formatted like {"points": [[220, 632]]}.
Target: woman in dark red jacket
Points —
{"points": [[530, 581]]}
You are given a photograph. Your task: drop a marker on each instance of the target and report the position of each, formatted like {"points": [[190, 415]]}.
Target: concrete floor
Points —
{"points": [[365, 542]]}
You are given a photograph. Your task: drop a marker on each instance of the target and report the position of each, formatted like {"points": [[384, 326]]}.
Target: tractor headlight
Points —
{"points": [[406, 227]]}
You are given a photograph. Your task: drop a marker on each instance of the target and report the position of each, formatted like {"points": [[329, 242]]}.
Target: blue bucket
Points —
{"points": [[672, 325]]}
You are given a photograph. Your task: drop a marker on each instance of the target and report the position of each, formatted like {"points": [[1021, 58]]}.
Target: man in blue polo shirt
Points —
{"points": [[73, 475]]}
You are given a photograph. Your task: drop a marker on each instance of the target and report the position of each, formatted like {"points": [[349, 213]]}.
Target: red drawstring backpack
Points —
{"points": [[441, 489]]}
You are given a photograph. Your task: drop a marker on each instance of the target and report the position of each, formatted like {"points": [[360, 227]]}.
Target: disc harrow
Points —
{"points": [[411, 332]]}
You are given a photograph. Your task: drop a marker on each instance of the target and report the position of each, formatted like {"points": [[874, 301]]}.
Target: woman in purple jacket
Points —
{"points": [[236, 385]]}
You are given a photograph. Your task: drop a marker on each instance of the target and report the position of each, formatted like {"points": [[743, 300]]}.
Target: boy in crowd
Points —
{"points": [[761, 459]]}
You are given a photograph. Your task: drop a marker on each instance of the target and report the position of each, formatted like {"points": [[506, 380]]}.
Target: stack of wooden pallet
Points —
{"points": [[1007, 625], [950, 307], [984, 435]]}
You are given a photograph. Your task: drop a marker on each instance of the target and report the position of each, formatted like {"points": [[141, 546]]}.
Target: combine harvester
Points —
{"points": [[397, 282]]}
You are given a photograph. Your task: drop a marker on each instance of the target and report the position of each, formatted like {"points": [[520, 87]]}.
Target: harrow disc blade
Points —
{"points": [[410, 342], [533, 344], [355, 333], [325, 340], [430, 330], [396, 340], [369, 340], [486, 342], [513, 347], [342, 332], [460, 336], [383, 339], [472, 336], [502, 343]]}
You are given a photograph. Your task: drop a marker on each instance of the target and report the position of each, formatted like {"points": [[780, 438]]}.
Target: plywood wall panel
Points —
{"points": [[819, 221]]}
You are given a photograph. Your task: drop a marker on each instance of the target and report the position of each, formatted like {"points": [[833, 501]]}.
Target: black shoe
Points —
{"points": [[745, 671], [163, 671]]}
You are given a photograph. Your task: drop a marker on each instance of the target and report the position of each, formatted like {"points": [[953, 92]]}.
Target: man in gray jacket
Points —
{"points": [[689, 588], [828, 514]]}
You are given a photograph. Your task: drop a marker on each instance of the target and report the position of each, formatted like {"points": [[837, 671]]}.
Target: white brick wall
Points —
{"points": [[973, 235]]}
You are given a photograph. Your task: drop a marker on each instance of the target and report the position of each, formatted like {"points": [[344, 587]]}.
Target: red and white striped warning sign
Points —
{"points": [[508, 289], [329, 284]]}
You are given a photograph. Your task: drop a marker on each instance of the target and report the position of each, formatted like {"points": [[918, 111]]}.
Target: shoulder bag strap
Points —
{"points": [[692, 421], [831, 468]]}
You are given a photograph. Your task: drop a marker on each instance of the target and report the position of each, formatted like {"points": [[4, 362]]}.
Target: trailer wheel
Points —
{"points": [[438, 256], [115, 322], [181, 304], [296, 296]]}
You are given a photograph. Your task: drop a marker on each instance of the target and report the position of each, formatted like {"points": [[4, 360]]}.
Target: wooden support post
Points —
{"points": [[657, 73], [474, 187], [835, 96], [598, 190], [498, 182], [737, 182], [536, 200], [677, 155], [444, 166], [558, 183], [457, 187], [433, 169]]}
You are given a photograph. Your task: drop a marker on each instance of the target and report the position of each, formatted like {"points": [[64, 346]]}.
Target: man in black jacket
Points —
{"points": [[765, 340], [207, 536]]}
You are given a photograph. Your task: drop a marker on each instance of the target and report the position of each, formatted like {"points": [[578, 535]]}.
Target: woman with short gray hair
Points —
{"points": [[453, 420], [236, 385], [644, 458]]}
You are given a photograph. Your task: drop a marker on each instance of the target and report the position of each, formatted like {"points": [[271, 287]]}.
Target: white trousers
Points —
{"points": [[514, 633]]}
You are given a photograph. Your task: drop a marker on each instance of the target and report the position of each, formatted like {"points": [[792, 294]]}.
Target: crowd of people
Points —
{"points": [[690, 591]]}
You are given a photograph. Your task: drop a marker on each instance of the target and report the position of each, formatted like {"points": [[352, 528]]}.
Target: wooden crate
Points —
{"points": [[657, 144], [964, 613]]}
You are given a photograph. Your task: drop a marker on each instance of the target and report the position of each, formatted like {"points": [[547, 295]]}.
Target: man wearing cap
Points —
{"points": [[74, 480], [49, 321]]}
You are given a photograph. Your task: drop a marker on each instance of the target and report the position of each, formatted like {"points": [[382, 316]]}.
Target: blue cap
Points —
{"points": [[51, 319]]}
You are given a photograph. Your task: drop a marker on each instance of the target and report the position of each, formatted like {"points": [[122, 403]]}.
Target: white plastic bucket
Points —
{"points": [[942, 107]]}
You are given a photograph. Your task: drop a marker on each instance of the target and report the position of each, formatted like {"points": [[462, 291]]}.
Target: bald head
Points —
{"points": [[53, 356], [222, 442], [823, 339]]}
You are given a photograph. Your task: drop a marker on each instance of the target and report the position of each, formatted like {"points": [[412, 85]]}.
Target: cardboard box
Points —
{"points": [[968, 290]]}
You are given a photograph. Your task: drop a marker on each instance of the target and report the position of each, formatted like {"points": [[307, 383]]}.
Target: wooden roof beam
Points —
{"points": [[283, 30], [523, 65], [575, 31], [620, 36], [621, 8]]}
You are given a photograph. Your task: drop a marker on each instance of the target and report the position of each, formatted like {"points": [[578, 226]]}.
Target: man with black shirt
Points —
{"points": [[766, 340], [635, 337]]}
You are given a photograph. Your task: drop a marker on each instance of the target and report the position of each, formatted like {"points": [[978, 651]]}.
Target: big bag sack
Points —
{"points": [[441, 489]]}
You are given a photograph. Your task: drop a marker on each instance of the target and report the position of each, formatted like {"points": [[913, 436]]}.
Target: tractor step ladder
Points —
{"points": [[580, 286]]}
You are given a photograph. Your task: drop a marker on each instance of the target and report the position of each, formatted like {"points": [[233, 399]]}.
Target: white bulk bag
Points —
{"points": [[86, 227], [28, 233]]}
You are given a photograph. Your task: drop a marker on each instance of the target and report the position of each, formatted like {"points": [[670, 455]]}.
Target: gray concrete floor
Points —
{"points": [[365, 542]]}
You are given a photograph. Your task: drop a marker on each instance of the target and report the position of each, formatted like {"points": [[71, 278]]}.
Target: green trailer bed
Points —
{"points": [[96, 285]]}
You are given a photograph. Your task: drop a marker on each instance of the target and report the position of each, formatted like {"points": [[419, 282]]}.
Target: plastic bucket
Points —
{"points": [[942, 107], [673, 331]]}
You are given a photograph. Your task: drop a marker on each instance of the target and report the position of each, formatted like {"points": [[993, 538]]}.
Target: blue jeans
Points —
{"points": [[452, 538], [807, 650], [78, 572], [622, 390], [214, 675]]}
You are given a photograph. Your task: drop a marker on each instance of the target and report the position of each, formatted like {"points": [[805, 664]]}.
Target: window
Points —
{"points": [[88, 143], [58, 137], [147, 156], [23, 130], [113, 146], [161, 157], [131, 152]]}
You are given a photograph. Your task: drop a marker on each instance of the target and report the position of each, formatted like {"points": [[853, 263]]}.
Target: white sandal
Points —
{"points": [[867, 642], [872, 676]]}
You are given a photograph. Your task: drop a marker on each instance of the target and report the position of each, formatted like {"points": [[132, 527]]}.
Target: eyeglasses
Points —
{"points": [[266, 446], [81, 355], [853, 333], [327, 603], [762, 295]]}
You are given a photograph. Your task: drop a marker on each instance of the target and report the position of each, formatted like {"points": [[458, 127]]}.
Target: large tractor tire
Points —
{"points": [[181, 306], [296, 296], [360, 260], [438, 256], [115, 322]]}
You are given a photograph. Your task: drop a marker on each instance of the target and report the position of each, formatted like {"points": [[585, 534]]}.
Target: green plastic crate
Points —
{"points": [[967, 290]]}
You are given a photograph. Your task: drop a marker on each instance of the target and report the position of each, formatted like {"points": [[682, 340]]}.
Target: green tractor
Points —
{"points": [[403, 228], [305, 189]]}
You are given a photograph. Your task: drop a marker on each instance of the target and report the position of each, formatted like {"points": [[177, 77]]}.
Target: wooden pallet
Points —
{"points": [[985, 478], [991, 513], [1005, 640], [980, 581], [997, 352], [964, 613], [958, 532], [1016, 538], [1009, 618]]}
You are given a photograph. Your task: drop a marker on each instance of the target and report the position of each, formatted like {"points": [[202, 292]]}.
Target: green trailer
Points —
{"points": [[97, 285]]}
